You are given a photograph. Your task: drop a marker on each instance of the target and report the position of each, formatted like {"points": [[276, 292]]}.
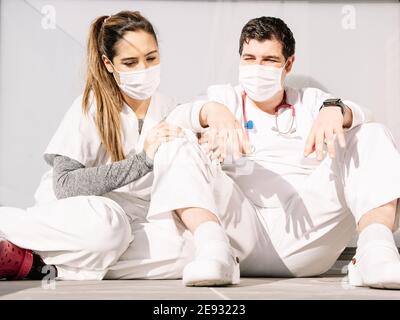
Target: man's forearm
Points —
{"points": [[212, 110]]}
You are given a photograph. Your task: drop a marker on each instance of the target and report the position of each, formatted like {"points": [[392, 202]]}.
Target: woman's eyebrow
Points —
{"points": [[133, 58], [151, 52], [129, 58]]}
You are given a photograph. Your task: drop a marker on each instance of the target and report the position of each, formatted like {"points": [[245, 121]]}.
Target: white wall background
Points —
{"points": [[351, 49]]}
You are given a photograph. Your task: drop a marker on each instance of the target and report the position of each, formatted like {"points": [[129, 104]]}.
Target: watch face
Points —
{"points": [[332, 101]]}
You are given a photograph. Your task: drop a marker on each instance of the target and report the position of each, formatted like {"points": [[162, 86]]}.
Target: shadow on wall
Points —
{"points": [[302, 81]]}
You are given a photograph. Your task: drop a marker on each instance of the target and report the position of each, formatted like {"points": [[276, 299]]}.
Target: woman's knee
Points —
{"points": [[109, 238], [110, 230]]}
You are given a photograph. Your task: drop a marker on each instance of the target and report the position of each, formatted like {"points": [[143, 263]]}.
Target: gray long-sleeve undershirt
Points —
{"points": [[71, 178]]}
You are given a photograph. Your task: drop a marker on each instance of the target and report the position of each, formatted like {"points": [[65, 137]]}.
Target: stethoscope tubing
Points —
{"points": [[285, 105]]}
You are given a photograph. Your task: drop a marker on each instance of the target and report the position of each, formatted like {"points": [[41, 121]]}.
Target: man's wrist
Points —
{"points": [[348, 117], [206, 112], [346, 111], [329, 103], [204, 115]]}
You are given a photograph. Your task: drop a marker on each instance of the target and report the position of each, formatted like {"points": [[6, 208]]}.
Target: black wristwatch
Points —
{"points": [[334, 103]]}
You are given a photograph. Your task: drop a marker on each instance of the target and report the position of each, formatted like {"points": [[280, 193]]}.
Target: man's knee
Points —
{"points": [[180, 151], [372, 131]]}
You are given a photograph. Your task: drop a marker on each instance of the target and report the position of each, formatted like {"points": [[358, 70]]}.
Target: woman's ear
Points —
{"points": [[108, 64]]}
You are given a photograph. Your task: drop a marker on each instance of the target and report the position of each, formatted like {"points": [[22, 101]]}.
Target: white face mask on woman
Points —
{"points": [[260, 82], [140, 84]]}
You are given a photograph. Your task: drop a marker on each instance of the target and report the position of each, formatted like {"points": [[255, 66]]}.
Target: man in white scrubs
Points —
{"points": [[314, 169]]}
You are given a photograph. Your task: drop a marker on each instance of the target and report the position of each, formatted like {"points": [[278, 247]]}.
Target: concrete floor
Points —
{"points": [[327, 287], [332, 285]]}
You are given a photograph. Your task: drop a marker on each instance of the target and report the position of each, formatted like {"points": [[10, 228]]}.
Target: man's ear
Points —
{"points": [[107, 63], [290, 63]]}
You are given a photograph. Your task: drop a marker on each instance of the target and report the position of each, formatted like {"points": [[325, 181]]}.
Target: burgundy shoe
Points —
{"points": [[15, 262]]}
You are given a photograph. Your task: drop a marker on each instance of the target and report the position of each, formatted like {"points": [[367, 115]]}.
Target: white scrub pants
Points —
{"points": [[92, 238]]}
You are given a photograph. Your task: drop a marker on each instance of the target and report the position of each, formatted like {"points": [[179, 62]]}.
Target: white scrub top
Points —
{"points": [[77, 138], [277, 162]]}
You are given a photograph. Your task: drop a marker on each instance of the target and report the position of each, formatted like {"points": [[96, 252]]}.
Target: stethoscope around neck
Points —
{"points": [[249, 124]]}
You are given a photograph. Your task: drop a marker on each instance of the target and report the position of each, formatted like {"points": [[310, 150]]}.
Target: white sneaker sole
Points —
{"points": [[355, 279], [209, 273]]}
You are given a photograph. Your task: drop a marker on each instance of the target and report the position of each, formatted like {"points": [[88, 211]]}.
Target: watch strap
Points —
{"points": [[334, 103]]}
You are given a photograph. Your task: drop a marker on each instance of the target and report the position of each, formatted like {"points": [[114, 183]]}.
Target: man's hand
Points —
{"points": [[329, 122], [225, 132]]}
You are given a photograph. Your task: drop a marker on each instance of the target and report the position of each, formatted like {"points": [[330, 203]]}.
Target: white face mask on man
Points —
{"points": [[260, 82], [140, 84]]}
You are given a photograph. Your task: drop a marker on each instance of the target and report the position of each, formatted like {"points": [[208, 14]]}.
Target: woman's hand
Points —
{"points": [[225, 132], [328, 123], [163, 132]]}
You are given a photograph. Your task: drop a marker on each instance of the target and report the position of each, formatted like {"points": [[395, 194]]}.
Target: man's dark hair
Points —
{"points": [[268, 28]]}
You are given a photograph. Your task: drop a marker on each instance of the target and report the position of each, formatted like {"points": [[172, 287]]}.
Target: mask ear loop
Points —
{"points": [[283, 68]]}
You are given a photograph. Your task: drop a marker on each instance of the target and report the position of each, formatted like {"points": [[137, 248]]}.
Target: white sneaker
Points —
{"points": [[211, 272], [383, 275]]}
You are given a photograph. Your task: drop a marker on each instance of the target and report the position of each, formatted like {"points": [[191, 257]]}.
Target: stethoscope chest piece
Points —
{"points": [[249, 125]]}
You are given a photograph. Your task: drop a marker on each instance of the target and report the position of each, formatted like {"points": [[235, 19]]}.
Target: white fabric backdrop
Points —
{"points": [[349, 49]]}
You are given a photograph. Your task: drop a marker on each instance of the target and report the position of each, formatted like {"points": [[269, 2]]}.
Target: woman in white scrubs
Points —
{"points": [[92, 206]]}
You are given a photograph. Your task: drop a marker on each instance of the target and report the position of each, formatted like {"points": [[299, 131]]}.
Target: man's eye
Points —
{"points": [[151, 59]]}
